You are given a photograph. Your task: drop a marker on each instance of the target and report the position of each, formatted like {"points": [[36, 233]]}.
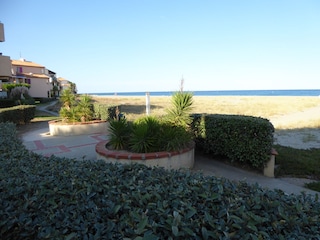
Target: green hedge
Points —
{"points": [[104, 111], [6, 103], [58, 198], [240, 138], [21, 114]]}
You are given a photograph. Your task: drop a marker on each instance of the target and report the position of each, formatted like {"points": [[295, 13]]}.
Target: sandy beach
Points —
{"points": [[296, 119]]}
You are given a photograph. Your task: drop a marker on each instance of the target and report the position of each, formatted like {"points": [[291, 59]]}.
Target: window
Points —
{"points": [[19, 70]]}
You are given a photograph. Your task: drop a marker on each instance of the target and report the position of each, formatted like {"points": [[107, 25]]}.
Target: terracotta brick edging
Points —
{"points": [[104, 151]]}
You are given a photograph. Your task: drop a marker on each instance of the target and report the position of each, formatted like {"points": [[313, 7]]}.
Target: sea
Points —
{"points": [[295, 92]]}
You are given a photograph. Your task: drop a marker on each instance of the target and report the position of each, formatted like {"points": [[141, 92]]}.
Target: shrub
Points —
{"points": [[19, 93], [148, 134], [84, 108], [74, 110], [105, 111], [58, 198], [119, 134], [6, 103], [21, 114], [144, 135], [240, 138]]}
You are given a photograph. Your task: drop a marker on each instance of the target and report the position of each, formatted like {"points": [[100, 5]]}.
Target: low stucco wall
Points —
{"points": [[58, 128], [168, 160]]}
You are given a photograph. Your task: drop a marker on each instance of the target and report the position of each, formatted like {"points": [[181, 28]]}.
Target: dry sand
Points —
{"points": [[301, 138]]}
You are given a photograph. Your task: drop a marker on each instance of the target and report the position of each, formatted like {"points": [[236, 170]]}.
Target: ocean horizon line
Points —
{"points": [[274, 92]]}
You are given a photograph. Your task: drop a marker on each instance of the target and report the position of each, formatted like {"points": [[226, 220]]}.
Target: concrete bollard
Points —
{"points": [[147, 103], [268, 170]]}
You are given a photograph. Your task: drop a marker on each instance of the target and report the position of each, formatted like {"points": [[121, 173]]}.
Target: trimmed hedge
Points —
{"points": [[104, 111], [6, 103], [21, 114], [58, 198], [240, 138]]}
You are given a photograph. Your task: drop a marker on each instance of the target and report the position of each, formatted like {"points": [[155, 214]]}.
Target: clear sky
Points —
{"points": [[149, 45]]}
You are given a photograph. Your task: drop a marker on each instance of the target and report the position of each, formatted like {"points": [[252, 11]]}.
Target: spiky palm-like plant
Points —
{"points": [[144, 135], [68, 98], [74, 110], [85, 108], [119, 133], [150, 134], [179, 113]]}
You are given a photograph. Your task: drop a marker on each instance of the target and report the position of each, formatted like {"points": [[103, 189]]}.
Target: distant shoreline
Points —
{"points": [[249, 93]]}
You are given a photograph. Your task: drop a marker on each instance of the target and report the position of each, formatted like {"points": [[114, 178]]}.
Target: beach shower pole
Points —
{"points": [[147, 103]]}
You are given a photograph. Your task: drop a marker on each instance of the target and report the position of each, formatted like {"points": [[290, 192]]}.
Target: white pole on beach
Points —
{"points": [[147, 103]]}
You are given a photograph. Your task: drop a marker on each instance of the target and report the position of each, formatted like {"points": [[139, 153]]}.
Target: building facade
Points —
{"points": [[24, 71]]}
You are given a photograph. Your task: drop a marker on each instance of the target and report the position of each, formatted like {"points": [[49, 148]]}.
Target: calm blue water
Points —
{"points": [[309, 92]]}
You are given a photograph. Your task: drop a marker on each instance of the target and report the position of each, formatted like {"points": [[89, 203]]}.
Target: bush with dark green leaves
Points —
{"points": [[6, 103], [21, 114], [242, 139], [58, 198]]}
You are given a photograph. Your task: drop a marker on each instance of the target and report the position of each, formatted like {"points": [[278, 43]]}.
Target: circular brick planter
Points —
{"points": [[168, 160], [59, 128]]}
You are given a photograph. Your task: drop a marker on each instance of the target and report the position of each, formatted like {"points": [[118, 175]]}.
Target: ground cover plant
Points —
{"points": [[303, 163], [58, 198]]}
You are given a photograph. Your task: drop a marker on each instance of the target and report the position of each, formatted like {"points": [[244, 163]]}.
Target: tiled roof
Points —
{"points": [[25, 63]]}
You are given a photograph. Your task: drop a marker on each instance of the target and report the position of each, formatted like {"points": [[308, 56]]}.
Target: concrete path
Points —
{"points": [[83, 147], [45, 106]]}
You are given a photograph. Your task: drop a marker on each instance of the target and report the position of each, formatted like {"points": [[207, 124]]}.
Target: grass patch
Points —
{"points": [[302, 163], [315, 186], [298, 162], [45, 118]]}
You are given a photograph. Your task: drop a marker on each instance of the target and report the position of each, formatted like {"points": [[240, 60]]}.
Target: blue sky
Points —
{"points": [[148, 45]]}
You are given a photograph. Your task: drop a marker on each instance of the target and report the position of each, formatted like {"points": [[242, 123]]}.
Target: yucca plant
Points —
{"points": [[69, 115], [172, 138], [119, 133], [150, 134], [68, 99], [84, 108], [144, 135], [74, 110], [179, 113]]}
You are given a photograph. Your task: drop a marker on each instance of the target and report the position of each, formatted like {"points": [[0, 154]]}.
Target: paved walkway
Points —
{"points": [[83, 147]]}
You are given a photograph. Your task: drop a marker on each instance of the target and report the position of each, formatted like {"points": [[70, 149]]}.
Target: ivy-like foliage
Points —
{"points": [[58, 198]]}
